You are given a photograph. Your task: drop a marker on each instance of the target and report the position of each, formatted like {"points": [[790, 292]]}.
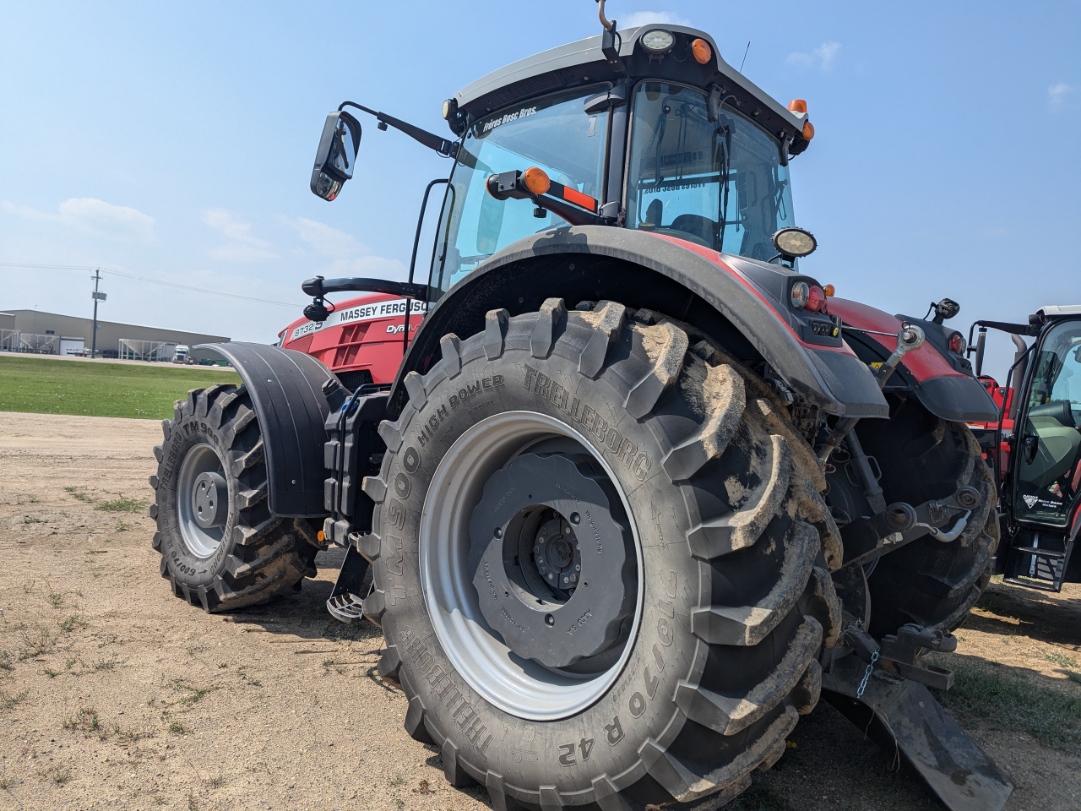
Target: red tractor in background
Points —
{"points": [[639, 490], [1034, 446], [362, 340]]}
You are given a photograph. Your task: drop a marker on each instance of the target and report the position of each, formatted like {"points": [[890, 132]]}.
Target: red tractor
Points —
{"points": [[1034, 446], [639, 489]]}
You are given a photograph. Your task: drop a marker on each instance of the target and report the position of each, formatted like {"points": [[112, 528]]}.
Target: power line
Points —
{"points": [[291, 305]]}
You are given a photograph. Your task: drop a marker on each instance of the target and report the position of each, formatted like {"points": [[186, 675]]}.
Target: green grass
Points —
{"points": [[123, 504], [95, 389], [1010, 703]]}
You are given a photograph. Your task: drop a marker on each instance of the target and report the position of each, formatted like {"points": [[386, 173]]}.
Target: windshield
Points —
{"points": [[553, 133], [718, 183]]}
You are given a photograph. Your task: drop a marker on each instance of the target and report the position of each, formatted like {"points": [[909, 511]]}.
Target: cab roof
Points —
{"points": [[582, 63]]}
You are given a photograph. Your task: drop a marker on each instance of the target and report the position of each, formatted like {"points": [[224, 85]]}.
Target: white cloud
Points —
{"points": [[241, 245], [344, 255], [372, 267], [93, 216], [822, 57], [1058, 93], [639, 18], [324, 240]]}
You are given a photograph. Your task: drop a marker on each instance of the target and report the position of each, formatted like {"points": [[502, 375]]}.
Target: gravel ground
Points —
{"points": [[114, 694]]}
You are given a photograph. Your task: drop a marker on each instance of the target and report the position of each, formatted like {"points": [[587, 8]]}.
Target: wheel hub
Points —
{"points": [[549, 558], [210, 500], [557, 554]]}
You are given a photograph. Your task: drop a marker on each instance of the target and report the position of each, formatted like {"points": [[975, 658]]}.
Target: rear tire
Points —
{"points": [[928, 582], [220, 546], [726, 596]]}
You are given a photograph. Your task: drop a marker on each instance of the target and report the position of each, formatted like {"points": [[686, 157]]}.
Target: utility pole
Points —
{"points": [[97, 297]]}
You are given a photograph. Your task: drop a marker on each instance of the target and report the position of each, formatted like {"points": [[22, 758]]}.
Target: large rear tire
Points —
{"points": [[220, 546], [680, 658], [928, 582]]}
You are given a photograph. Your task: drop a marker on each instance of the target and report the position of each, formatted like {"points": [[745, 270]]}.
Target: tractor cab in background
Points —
{"points": [[1036, 446]]}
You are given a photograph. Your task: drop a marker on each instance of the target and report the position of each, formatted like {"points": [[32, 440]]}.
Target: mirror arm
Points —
{"points": [[442, 146], [1011, 329], [319, 287]]}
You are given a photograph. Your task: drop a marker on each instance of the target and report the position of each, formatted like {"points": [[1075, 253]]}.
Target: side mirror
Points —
{"points": [[336, 156]]}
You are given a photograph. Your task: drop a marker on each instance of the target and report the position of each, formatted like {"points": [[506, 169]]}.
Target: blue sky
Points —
{"points": [[173, 142]]}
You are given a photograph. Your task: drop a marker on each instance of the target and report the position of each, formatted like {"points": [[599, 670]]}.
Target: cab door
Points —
{"points": [[1048, 439]]}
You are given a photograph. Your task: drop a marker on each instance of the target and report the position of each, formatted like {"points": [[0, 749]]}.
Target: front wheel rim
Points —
{"points": [[520, 687], [201, 536]]}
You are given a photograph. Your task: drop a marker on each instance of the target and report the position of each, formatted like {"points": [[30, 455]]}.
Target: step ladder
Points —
{"points": [[1041, 565]]}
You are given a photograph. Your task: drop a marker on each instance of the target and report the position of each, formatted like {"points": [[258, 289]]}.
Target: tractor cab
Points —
{"points": [[646, 128], [1040, 467]]}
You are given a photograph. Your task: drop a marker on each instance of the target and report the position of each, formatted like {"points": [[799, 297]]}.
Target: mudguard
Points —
{"points": [[943, 382], [286, 389], [740, 302]]}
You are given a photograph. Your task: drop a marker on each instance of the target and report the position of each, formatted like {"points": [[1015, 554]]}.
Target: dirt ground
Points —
{"points": [[114, 694]]}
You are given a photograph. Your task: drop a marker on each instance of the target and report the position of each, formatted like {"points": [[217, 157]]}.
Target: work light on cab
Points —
{"points": [[658, 41], [794, 242]]}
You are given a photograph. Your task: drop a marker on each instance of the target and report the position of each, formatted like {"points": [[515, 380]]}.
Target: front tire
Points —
{"points": [[221, 548], [691, 509], [928, 582]]}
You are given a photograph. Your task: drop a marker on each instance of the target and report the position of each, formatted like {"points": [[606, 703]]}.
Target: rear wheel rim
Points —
{"points": [[192, 500], [520, 687]]}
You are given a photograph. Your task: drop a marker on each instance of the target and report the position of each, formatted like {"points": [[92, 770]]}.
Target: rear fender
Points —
{"points": [[286, 390], [942, 382], [738, 302]]}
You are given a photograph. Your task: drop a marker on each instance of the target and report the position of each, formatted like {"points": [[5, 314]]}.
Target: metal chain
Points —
{"points": [[867, 675]]}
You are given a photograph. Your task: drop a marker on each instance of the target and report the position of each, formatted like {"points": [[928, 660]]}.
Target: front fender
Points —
{"points": [[731, 299], [286, 389]]}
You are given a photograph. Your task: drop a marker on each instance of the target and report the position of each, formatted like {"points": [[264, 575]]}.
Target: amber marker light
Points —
{"points": [[808, 130], [829, 290], [701, 51], [797, 106], [536, 180]]}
